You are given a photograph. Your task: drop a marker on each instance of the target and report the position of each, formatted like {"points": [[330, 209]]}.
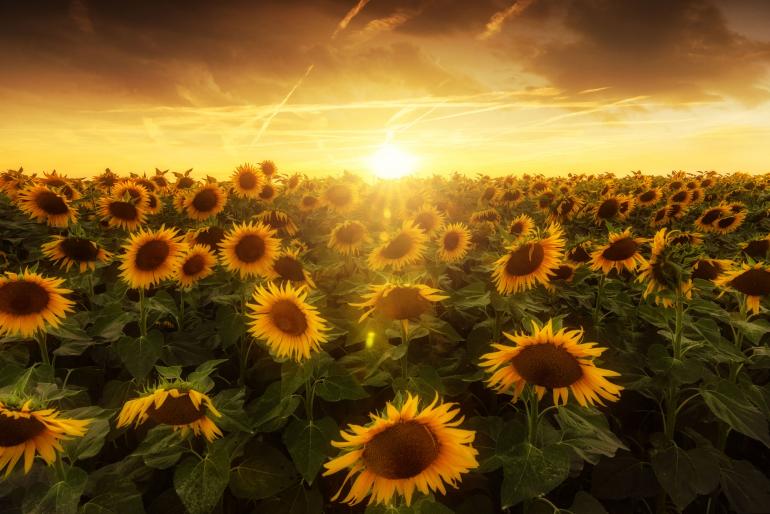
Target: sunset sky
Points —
{"points": [[493, 86]]}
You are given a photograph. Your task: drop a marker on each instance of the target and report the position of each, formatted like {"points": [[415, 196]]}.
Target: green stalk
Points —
{"points": [[309, 398], [142, 313], [599, 292], [533, 416], [405, 341], [181, 310], [40, 337]]}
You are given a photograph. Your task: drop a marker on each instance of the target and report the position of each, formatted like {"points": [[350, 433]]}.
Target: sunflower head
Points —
{"points": [[454, 242], [339, 197], [122, 213], [622, 252], [78, 251], [289, 268], [663, 273], [428, 219], [404, 247], [757, 249], [278, 221], [580, 253], [546, 358], [29, 301], [309, 202], [709, 269], [267, 192], [290, 326], [399, 302], [486, 216], [649, 197], [247, 181], [268, 168], [404, 449], [728, 223], [45, 205], [205, 202], [250, 249], [150, 257], [529, 262], [197, 263], [209, 237], [753, 281]]}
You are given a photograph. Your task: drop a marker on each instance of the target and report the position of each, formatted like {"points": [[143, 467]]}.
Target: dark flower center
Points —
{"points": [[205, 200], [517, 228], [525, 260], [267, 192], [727, 222], [123, 211], [488, 215], [608, 208], [175, 411], [679, 197], [276, 220], [579, 254], [247, 180], [79, 249], [753, 282], [489, 193], [401, 451], [621, 249], [152, 255], [647, 196], [250, 248], [288, 318], [210, 237], [15, 431], [398, 247], [289, 269], [547, 365], [710, 216], [350, 234], [194, 265], [148, 184], [51, 203], [403, 303], [674, 209], [184, 183], [426, 221], [661, 213], [55, 182], [21, 298], [451, 241], [757, 249], [152, 201], [706, 270], [563, 272]]}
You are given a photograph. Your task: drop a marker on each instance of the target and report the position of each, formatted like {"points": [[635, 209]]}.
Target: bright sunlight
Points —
{"points": [[391, 163]]}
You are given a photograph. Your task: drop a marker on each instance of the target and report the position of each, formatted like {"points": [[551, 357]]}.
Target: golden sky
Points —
{"points": [[492, 86]]}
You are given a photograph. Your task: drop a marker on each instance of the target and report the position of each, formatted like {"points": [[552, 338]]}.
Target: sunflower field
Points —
{"points": [[277, 343]]}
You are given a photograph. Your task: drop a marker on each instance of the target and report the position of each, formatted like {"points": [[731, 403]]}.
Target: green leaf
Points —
{"points": [[91, 444], [203, 372], [229, 403], [263, 473], [61, 497], [296, 500], [140, 355], [271, 410], [338, 384], [623, 476], [587, 432], [201, 482], [230, 325], [127, 500], [309, 445], [729, 403], [530, 472], [685, 474], [160, 449], [753, 330], [746, 488]]}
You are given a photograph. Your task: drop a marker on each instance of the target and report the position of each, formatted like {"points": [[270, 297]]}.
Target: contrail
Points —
{"points": [[495, 23], [342, 25], [388, 23], [278, 107]]}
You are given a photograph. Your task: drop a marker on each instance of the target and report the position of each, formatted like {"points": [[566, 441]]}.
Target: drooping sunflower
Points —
{"points": [[664, 280], [403, 248], [621, 252], [399, 302], [197, 263], [347, 237], [751, 280], [290, 326], [609, 209], [29, 301], [546, 359], [250, 249], [565, 209], [205, 202], [46, 206], [729, 223], [521, 226], [209, 236], [429, 219], [649, 197], [247, 181], [69, 251], [486, 216], [684, 238], [529, 262], [404, 450], [454, 242], [122, 214], [339, 197], [565, 273], [580, 253], [178, 405], [160, 181], [151, 256], [289, 268], [709, 269], [146, 183], [757, 249], [309, 202], [705, 221], [25, 432], [278, 221], [510, 198]]}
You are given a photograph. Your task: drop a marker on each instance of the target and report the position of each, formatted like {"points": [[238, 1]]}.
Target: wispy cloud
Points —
{"points": [[495, 23], [352, 13]]}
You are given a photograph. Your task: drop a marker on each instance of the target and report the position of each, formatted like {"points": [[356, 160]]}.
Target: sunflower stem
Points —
{"points": [[142, 313], [40, 337], [597, 307], [180, 321], [309, 397], [533, 416], [58, 466], [405, 358]]}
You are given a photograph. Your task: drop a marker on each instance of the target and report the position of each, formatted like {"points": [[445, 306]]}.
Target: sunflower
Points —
{"points": [[268, 168], [347, 237], [565, 273], [121, 213], [151, 256], [486, 216], [510, 198], [44, 205], [25, 431], [529, 262], [290, 326], [197, 263], [660, 217], [146, 183], [565, 209], [309, 202], [729, 223], [649, 197], [489, 194], [339, 197], [184, 180], [267, 192], [757, 249], [709, 269], [154, 204], [609, 209], [250, 249], [207, 201], [247, 181], [751, 280], [429, 219], [685, 238], [175, 404], [129, 190], [288, 268], [706, 220], [547, 359], [580, 253], [68, 251], [278, 221], [404, 247], [28, 301], [662, 276], [675, 211], [209, 236], [621, 252], [521, 226], [682, 196], [399, 302], [159, 179], [697, 195], [454, 242], [291, 183], [403, 450]]}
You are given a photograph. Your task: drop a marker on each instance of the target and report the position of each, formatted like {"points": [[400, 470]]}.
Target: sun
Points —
{"points": [[390, 162]]}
